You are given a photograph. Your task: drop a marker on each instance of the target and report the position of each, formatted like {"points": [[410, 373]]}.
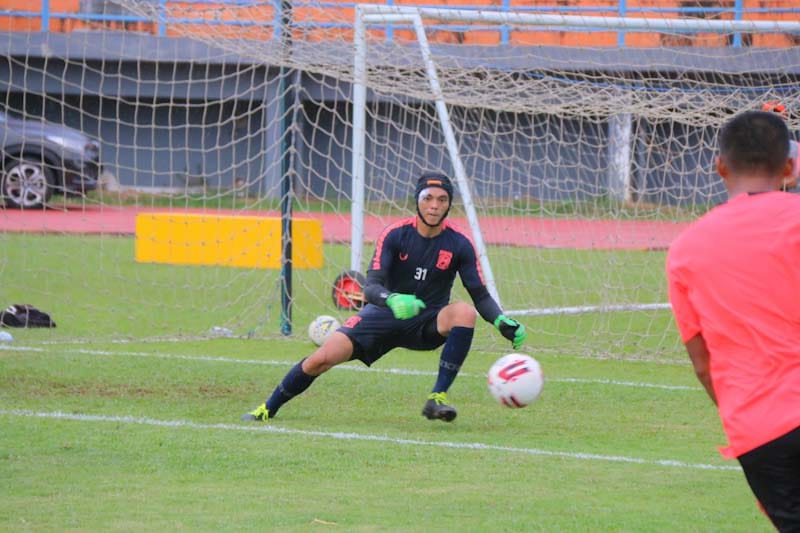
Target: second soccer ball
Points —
{"points": [[321, 327], [515, 380]]}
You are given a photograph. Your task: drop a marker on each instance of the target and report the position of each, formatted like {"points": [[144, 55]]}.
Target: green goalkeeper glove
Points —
{"points": [[511, 330], [404, 306]]}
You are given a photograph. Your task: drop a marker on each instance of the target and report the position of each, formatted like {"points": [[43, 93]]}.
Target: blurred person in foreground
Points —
{"points": [[408, 286], [734, 287]]}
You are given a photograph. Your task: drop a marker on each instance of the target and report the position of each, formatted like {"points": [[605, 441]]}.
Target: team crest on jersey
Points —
{"points": [[443, 263], [352, 321]]}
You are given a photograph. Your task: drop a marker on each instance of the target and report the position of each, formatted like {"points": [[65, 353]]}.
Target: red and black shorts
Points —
{"points": [[375, 331]]}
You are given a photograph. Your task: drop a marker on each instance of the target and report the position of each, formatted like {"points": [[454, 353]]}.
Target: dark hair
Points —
{"points": [[433, 179], [755, 141]]}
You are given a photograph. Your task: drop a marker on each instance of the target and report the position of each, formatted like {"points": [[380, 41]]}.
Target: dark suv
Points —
{"points": [[40, 158]]}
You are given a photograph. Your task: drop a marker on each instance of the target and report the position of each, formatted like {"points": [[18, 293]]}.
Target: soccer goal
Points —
{"points": [[580, 146], [580, 162]]}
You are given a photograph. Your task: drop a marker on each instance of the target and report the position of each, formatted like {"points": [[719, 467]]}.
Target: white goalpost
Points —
{"points": [[359, 111], [580, 147]]}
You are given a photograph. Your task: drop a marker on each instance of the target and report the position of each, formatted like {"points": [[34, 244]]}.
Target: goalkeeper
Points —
{"points": [[408, 287]]}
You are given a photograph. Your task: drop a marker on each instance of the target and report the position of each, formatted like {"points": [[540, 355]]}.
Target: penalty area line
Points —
{"points": [[364, 438]]}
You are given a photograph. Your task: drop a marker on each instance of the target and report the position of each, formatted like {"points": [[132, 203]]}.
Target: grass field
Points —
{"points": [[596, 207], [108, 425]]}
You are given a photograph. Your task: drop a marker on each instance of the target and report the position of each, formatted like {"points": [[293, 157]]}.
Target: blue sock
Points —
{"points": [[453, 354], [294, 382]]}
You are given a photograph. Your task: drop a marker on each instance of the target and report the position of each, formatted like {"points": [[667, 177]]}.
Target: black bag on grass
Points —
{"points": [[25, 316]]}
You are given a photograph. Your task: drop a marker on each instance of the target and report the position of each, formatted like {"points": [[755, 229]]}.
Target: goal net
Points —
{"points": [[580, 145]]}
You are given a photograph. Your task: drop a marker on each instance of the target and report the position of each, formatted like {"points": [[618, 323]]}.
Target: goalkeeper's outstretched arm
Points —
{"points": [[374, 291], [485, 304], [490, 311]]}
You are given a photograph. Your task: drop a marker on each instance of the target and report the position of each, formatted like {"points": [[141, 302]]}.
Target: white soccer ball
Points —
{"points": [[515, 380], [321, 327]]}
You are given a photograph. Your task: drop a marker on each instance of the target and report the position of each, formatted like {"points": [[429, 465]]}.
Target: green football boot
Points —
{"points": [[259, 414]]}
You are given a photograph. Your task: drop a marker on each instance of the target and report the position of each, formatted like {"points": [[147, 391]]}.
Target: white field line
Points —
{"points": [[346, 367], [361, 437], [200, 338]]}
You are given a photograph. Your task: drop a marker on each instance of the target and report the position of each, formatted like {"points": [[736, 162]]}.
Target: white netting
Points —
{"points": [[583, 163]]}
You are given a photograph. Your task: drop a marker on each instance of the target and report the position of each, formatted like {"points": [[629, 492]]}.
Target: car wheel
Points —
{"points": [[26, 184]]}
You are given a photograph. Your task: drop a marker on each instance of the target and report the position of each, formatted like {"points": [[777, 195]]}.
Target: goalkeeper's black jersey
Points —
{"points": [[409, 263]]}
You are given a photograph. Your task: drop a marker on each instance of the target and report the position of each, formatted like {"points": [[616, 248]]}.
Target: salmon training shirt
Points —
{"points": [[734, 277]]}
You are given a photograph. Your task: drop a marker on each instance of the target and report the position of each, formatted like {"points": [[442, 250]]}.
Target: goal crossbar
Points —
{"points": [[379, 13]]}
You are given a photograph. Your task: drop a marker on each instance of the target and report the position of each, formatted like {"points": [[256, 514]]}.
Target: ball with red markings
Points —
{"points": [[516, 380]]}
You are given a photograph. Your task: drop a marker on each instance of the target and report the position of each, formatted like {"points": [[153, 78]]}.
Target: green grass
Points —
{"points": [[96, 291], [107, 425], [353, 450]]}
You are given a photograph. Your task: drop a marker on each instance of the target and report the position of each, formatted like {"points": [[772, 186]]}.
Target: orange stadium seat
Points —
{"points": [[330, 14], [9, 23], [324, 15]]}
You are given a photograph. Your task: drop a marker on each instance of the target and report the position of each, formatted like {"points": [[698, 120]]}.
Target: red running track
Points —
{"points": [[534, 232]]}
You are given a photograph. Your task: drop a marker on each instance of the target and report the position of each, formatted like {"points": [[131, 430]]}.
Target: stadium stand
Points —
{"points": [[332, 19]]}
